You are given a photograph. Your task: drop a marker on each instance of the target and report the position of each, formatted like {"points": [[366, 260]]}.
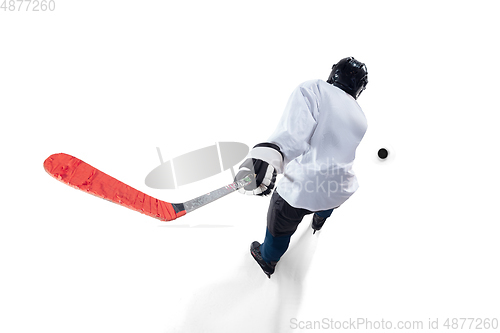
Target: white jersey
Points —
{"points": [[318, 134]]}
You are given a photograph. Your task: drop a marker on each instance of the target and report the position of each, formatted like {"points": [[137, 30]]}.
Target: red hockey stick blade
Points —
{"points": [[80, 175]]}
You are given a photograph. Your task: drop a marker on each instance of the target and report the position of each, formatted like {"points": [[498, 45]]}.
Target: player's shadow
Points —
{"points": [[250, 302]]}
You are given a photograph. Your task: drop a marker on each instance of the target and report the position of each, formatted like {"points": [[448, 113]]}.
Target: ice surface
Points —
{"points": [[246, 300]]}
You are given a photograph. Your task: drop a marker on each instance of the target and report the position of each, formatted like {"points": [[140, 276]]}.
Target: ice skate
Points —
{"points": [[268, 268], [317, 223]]}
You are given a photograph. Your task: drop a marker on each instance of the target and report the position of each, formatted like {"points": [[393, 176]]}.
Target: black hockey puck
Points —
{"points": [[383, 153]]}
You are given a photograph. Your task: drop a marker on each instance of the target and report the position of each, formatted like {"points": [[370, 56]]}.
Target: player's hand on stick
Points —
{"points": [[265, 162]]}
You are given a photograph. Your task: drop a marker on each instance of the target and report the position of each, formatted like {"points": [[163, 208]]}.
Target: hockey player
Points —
{"points": [[314, 147]]}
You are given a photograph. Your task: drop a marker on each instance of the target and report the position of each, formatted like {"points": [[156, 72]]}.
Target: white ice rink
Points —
{"points": [[109, 81]]}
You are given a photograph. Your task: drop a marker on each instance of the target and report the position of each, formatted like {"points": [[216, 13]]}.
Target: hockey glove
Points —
{"points": [[265, 161]]}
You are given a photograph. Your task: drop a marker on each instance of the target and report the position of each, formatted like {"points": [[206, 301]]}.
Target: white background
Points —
{"points": [[109, 81]]}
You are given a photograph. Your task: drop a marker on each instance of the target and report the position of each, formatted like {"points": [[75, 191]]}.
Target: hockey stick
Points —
{"points": [[80, 175]]}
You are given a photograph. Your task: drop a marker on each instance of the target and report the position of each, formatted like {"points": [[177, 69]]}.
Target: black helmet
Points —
{"points": [[349, 75]]}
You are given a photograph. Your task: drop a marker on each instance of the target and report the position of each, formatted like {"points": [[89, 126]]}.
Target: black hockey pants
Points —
{"points": [[282, 222]]}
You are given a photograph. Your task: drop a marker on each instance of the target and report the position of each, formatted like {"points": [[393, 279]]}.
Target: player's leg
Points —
{"points": [[282, 222], [319, 219]]}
